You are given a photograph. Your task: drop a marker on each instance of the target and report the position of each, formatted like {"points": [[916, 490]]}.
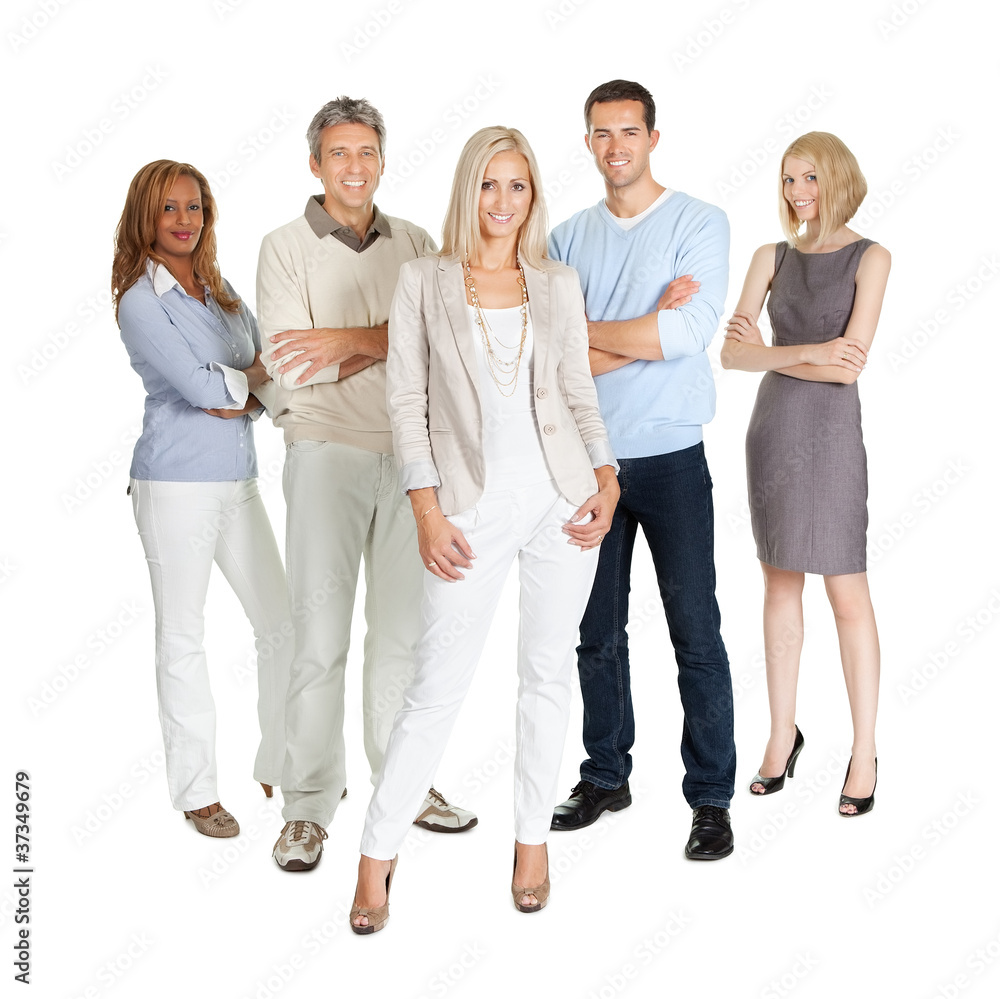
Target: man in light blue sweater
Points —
{"points": [[648, 336]]}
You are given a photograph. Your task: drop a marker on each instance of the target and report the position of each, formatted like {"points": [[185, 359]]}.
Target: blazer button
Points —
{"points": [[542, 393], [549, 429]]}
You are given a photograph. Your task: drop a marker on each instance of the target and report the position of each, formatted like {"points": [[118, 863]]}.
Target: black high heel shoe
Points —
{"points": [[861, 804], [772, 784]]}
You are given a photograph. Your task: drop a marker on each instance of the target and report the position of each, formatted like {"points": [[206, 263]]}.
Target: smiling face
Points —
{"points": [[179, 227], [505, 196], [619, 142], [350, 166], [800, 188]]}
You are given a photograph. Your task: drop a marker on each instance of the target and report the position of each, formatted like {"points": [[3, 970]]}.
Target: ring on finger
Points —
{"points": [[432, 565]]}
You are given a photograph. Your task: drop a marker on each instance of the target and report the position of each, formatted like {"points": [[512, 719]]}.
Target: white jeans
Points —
{"points": [[344, 503], [185, 527], [555, 579]]}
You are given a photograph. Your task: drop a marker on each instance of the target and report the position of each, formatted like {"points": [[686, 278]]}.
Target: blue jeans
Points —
{"points": [[670, 497]]}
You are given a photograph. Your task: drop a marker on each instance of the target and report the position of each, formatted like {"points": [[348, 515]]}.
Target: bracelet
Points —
{"points": [[427, 511]]}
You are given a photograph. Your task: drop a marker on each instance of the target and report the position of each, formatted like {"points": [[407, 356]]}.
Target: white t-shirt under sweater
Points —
{"points": [[307, 282], [512, 446]]}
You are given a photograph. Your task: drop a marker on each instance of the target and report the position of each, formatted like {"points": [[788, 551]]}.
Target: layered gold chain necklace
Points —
{"points": [[503, 371]]}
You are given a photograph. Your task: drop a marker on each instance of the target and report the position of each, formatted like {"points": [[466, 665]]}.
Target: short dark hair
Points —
{"points": [[345, 111], [622, 90]]}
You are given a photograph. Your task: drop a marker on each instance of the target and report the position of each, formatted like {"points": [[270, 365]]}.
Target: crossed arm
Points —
{"points": [[350, 349], [687, 314], [295, 350], [841, 359]]}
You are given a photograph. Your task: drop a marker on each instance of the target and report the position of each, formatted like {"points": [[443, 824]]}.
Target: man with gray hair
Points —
{"points": [[324, 285]]}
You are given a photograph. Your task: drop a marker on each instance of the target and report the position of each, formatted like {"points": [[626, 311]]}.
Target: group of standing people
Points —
{"points": [[536, 397]]}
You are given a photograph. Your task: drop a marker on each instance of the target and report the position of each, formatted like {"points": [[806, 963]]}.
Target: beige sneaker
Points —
{"points": [[300, 846], [440, 816]]}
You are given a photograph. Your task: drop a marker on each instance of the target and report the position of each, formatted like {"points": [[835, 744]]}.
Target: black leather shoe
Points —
{"points": [[711, 834], [586, 802]]}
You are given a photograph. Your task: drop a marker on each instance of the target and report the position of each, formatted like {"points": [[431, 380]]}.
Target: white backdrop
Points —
{"points": [[126, 899]]}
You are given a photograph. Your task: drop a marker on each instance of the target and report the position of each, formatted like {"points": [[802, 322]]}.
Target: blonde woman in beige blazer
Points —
{"points": [[504, 456]]}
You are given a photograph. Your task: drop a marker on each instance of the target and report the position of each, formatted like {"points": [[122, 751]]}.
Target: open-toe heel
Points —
{"points": [[541, 892], [379, 915], [772, 784], [861, 805]]}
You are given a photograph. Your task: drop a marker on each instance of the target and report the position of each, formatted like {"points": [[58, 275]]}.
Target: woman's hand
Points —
{"points": [[743, 327], [442, 545], [841, 351], [256, 374], [229, 414], [602, 505]]}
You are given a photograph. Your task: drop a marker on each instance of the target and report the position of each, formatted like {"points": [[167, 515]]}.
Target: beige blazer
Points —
{"points": [[433, 390]]}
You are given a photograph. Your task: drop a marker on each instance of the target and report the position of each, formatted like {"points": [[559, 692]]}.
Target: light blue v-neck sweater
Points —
{"points": [[653, 407]]}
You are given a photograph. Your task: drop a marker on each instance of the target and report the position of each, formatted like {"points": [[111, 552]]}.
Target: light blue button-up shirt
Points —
{"points": [[190, 358]]}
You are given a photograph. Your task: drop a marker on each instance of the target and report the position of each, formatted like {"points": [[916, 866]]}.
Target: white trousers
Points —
{"points": [[555, 579], [185, 527], [344, 504]]}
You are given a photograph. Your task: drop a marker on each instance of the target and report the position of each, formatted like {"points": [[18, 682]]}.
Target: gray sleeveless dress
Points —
{"points": [[807, 474]]}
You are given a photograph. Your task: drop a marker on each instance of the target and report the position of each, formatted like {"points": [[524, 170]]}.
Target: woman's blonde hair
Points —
{"points": [[460, 235], [136, 232], [842, 185]]}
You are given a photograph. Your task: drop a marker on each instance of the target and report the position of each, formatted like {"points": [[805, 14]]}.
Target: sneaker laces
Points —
{"points": [[437, 798], [299, 833]]}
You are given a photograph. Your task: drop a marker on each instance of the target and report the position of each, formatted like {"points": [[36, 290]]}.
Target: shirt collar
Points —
{"points": [[324, 224], [162, 279]]}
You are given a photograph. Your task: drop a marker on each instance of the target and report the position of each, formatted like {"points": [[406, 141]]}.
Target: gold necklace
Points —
{"points": [[503, 372]]}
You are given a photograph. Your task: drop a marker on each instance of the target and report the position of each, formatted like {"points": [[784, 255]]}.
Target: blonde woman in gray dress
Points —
{"points": [[806, 465]]}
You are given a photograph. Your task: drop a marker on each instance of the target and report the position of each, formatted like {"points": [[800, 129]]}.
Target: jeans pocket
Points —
{"points": [[308, 445]]}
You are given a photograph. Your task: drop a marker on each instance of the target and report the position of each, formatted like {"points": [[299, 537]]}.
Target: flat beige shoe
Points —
{"points": [[541, 892], [379, 916], [219, 824]]}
